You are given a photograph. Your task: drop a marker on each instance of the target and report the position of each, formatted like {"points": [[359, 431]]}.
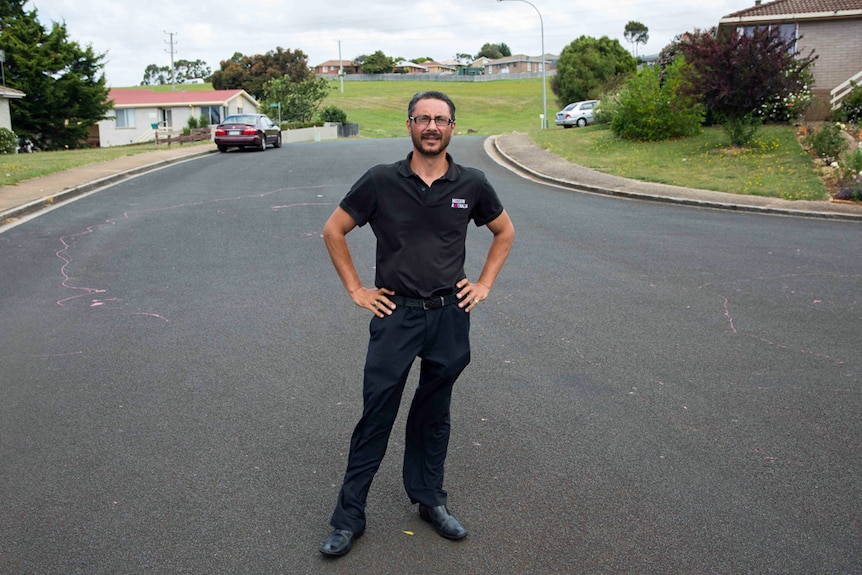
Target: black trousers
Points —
{"points": [[441, 339]]}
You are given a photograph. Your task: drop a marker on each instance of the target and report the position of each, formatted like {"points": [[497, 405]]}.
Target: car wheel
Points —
{"points": [[277, 141], [222, 148], [582, 122], [262, 142]]}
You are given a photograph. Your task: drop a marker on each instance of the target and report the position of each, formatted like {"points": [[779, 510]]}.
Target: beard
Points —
{"points": [[430, 148]]}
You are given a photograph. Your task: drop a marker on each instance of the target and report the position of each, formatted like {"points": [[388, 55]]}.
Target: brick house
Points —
{"points": [[833, 28], [331, 67]]}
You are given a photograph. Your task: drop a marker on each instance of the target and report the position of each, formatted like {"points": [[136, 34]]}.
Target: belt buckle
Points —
{"points": [[433, 303]]}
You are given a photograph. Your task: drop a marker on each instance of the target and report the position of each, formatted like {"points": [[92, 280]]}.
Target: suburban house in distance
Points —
{"points": [[427, 67], [7, 94], [139, 112], [331, 67], [516, 64], [833, 28]]}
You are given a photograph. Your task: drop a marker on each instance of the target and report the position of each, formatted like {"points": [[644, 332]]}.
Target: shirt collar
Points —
{"points": [[451, 173]]}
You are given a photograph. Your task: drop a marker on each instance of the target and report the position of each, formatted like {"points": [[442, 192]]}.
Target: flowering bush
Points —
{"points": [[793, 105], [8, 141]]}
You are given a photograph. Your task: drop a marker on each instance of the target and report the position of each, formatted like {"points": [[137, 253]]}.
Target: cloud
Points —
{"points": [[133, 34]]}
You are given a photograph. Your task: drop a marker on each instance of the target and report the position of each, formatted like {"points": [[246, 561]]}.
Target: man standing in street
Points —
{"points": [[419, 209]]}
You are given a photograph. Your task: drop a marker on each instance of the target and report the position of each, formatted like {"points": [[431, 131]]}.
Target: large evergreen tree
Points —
{"points": [[65, 87]]}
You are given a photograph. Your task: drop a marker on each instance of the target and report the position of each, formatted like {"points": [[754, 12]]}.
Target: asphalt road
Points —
{"points": [[654, 389]]}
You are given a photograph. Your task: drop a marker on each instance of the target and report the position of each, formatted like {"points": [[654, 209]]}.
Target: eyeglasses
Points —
{"points": [[439, 120]]}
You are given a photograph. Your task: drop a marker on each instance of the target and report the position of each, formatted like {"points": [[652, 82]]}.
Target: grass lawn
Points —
{"points": [[776, 167]]}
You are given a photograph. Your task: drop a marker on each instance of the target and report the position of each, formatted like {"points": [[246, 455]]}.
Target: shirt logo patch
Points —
{"points": [[459, 203]]}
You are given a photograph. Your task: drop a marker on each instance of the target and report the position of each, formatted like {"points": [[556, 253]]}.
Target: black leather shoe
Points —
{"points": [[444, 522], [339, 542]]}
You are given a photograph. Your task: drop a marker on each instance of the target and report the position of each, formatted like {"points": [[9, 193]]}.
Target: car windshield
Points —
{"points": [[241, 119]]}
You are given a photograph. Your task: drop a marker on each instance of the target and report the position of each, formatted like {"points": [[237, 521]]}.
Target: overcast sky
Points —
{"points": [[133, 33]]}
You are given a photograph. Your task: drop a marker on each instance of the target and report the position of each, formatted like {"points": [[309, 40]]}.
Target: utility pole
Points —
{"points": [[171, 52], [340, 67]]}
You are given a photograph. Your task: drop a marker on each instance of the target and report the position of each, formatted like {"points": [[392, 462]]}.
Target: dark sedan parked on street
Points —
{"points": [[247, 131]]}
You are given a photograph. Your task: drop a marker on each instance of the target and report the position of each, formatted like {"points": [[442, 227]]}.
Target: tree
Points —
{"points": [[66, 89], [738, 74], [250, 73], [184, 71], [587, 65], [298, 101], [636, 33], [378, 63], [463, 58], [494, 51], [11, 9]]}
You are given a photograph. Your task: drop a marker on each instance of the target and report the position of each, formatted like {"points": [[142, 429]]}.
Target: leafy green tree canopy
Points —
{"points": [[494, 51], [636, 33], [64, 83], [377, 63], [298, 101], [587, 65], [184, 71], [250, 73]]}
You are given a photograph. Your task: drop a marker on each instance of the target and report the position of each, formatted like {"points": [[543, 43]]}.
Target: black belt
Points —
{"points": [[426, 304]]}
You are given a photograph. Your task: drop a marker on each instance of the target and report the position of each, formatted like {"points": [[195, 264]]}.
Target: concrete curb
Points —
{"points": [[73, 192], [494, 148]]}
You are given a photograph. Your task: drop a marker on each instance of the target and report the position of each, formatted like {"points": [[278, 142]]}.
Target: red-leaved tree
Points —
{"points": [[738, 73]]}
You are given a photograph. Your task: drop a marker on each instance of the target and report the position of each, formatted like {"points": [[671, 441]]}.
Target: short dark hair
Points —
{"points": [[430, 95]]}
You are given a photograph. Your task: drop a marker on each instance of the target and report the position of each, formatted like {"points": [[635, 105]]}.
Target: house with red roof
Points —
{"points": [[833, 28], [139, 112]]}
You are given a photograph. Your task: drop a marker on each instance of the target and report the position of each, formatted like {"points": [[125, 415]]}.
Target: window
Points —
{"points": [[213, 113], [787, 32], [125, 118]]}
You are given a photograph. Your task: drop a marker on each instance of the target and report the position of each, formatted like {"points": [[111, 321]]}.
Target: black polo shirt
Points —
{"points": [[421, 231]]}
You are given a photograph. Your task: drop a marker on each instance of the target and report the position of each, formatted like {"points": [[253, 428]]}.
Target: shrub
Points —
{"points": [[741, 129], [8, 141], [333, 114], [792, 106], [204, 121], [853, 161], [192, 123], [851, 106], [653, 108], [827, 142]]}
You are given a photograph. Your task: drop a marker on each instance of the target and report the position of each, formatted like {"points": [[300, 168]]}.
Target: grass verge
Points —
{"points": [[17, 167], [776, 166]]}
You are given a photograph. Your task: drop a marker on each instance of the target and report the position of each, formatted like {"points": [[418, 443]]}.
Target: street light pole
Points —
{"points": [[544, 82]]}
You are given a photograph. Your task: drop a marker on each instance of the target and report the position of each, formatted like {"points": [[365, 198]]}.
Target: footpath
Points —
{"points": [[514, 150]]}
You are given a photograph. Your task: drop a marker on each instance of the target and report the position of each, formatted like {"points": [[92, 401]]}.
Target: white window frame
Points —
{"points": [[125, 118]]}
